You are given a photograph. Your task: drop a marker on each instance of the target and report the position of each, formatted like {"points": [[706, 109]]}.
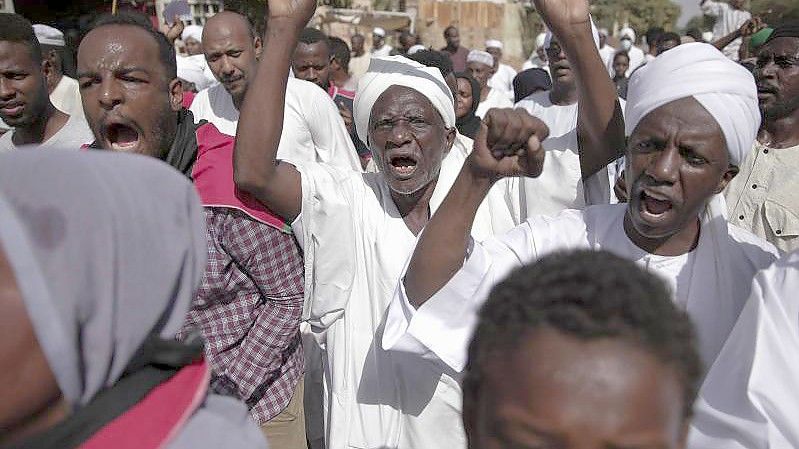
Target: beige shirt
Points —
{"points": [[764, 197]]}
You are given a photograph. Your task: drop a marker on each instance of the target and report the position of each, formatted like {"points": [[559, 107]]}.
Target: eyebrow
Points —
{"points": [[119, 71]]}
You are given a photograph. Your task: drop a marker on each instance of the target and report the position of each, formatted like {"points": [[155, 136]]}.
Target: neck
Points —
{"points": [[340, 78], [563, 94], [780, 133], [451, 48], [55, 80], [484, 91], [674, 245], [414, 208], [47, 123]]}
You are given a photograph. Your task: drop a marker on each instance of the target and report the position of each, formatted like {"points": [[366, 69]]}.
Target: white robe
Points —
{"points": [[607, 53], [750, 398], [66, 97], [495, 99], [503, 79], [355, 245], [712, 282], [637, 59], [313, 130]]}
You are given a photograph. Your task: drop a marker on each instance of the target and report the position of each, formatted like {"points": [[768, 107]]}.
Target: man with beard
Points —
{"points": [[481, 67], [357, 229], [24, 99], [313, 129], [691, 118], [763, 198], [503, 73], [249, 303]]}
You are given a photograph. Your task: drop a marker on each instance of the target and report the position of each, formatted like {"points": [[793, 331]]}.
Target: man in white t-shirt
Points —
{"points": [[729, 18], [24, 100], [313, 130], [379, 45], [481, 65], [64, 91], [503, 73]]}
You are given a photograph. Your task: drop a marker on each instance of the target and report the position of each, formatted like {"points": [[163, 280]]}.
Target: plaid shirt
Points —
{"points": [[248, 309]]}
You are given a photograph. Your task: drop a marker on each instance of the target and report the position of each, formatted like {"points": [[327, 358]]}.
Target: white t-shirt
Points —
{"points": [[503, 79], [66, 97], [495, 99], [385, 50], [72, 136], [607, 53], [728, 20], [313, 130]]}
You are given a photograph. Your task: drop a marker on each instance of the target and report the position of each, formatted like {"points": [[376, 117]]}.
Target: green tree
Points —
{"points": [[776, 11], [640, 14]]}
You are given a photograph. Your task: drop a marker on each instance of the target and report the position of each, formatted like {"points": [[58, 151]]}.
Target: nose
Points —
{"points": [[768, 71], [400, 135], [665, 165], [110, 94], [227, 67], [313, 74], [6, 92]]}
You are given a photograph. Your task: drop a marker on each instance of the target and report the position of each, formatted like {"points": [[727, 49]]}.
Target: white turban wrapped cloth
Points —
{"points": [[192, 31], [493, 43], [194, 70], [724, 88], [390, 71], [483, 57]]}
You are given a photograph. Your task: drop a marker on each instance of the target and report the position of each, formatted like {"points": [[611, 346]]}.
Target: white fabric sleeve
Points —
{"points": [[444, 324], [326, 232]]}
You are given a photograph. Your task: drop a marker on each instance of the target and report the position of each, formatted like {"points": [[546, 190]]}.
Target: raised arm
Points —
{"points": [[257, 171], [600, 124], [514, 137]]}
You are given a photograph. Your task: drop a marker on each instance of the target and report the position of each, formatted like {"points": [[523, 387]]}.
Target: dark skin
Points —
{"points": [[311, 63], [406, 134], [564, 88], [54, 55], [32, 400], [666, 45], [24, 97], [546, 393], [621, 63], [357, 43], [453, 38], [378, 41], [129, 100], [496, 53], [482, 73], [777, 76], [232, 52], [463, 99], [193, 46]]}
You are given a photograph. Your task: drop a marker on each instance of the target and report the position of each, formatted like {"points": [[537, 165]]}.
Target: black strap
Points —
{"points": [[155, 362]]}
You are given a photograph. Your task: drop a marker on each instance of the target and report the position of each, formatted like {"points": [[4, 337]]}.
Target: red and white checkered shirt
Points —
{"points": [[248, 309]]}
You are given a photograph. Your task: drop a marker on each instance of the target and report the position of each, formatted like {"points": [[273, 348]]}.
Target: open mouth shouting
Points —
{"points": [[122, 136], [654, 206], [402, 166]]}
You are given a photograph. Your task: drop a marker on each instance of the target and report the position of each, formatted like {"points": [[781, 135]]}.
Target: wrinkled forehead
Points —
{"points": [[686, 116], [16, 54], [399, 100], [112, 47]]}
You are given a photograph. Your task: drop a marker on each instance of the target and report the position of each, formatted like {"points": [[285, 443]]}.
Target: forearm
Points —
{"points": [[442, 246], [600, 124], [257, 170], [723, 42]]}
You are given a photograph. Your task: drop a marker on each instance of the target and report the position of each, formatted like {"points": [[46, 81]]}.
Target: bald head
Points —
{"points": [[232, 49]]}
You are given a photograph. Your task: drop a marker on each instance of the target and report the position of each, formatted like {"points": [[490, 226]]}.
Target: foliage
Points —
{"points": [[776, 11], [700, 22], [640, 14]]}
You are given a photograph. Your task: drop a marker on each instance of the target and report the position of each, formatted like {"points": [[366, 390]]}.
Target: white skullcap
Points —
{"points": [[493, 43], [47, 35], [627, 32], [708, 36], [416, 48], [483, 57], [548, 36], [400, 71], [540, 40], [724, 88], [379, 32], [193, 70], [192, 31]]}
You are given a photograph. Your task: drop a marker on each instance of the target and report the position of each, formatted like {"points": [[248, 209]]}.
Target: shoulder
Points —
{"points": [[752, 247], [535, 101]]}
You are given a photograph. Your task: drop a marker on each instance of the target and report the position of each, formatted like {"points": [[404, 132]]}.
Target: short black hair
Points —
{"points": [[17, 29], [166, 51], [588, 295], [653, 35], [669, 36], [433, 58], [621, 53], [340, 51], [451, 27], [696, 34], [310, 36]]}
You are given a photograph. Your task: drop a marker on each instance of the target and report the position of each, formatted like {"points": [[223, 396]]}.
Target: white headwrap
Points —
{"points": [[726, 89], [193, 70], [594, 32], [47, 35], [540, 40], [400, 71], [416, 48], [192, 31], [483, 57], [493, 43], [627, 32], [379, 32]]}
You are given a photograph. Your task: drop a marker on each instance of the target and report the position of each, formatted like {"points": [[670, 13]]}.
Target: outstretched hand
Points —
{"points": [[174, 30], [751, 26], [560, 15], [298, 12], [508, 144]]}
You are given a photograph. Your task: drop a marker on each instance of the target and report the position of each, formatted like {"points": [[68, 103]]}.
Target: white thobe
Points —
{"points": [[385, 50], [495, 99], [503, 79], [560, 185], [712, 282], [66, 97], [728, 19], [355, 245], [607, 53], [313, 130], [72, 136], [750, 397]]}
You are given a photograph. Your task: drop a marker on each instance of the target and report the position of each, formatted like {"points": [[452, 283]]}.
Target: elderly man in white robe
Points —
{"points": [[750, 397], [503, 73], [481, 66], [356, 231], [691, 117]]}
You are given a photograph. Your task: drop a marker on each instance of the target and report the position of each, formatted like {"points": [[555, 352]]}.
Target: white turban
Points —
{"points": [[627, 32], [416, 48], [493, 43], [193, 70], [483, 57], [400, 71], [192, 31], [540, 40], [594, 32], [47, 35], [379, 32], [724, 88]]}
